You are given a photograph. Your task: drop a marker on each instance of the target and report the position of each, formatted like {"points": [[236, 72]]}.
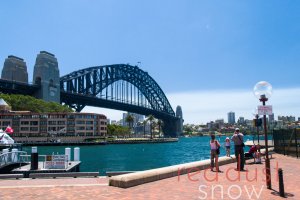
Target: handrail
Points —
{"points": [[11, 157]]}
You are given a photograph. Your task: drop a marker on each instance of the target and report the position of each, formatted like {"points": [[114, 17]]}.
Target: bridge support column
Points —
{"points": [[46, 74], [171, 127]]}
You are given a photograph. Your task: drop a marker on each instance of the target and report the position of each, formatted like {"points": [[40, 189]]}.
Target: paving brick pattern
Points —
{"points": [[182, 187]]}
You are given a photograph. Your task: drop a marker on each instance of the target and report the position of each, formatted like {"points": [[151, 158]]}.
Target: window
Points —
{"points": [[52, 122], [51, 128], [61, 123], [70, 129], [80, 128], [34, 123], [24, 128], [5, 123], [44, 116], [89, 128], [71, 122], [24, 122], [43, 122], [34, 129]]}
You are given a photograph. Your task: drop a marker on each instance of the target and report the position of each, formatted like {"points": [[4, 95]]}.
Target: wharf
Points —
{"points": [[202, 184], [73, 166]]}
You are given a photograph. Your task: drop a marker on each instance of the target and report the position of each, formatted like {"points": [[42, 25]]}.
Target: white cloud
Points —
{"points": [[204, 106]]}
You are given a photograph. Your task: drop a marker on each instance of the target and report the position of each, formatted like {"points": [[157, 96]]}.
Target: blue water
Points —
{"points": [[135, 157]]}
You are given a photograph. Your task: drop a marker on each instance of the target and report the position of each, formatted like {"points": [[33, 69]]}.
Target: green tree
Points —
{"points": [[151, 119], [144, 124], [129, 120], [160, 124], [29, 103], [117, 130]]}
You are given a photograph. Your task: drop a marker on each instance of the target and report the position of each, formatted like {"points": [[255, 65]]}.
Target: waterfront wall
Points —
{"points": [[48, 139], [142, 177]]}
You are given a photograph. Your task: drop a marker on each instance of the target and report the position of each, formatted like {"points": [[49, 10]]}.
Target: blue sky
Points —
{"points": [[194, 48]]}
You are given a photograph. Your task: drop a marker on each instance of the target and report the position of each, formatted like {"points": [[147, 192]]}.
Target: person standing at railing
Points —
{"points": [[238, 139], [227, 146]]}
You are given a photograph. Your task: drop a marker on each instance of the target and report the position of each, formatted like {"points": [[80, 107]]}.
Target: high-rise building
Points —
{"points": [[241, 120], [220, 122], [136, 118], [271, 118], [231, 118]]}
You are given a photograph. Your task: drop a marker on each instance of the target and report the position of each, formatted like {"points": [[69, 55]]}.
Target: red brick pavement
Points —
{"points": [[182, 187]]}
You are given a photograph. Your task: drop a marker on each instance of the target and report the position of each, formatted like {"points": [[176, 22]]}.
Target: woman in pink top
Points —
{"points": [[214, 145]]}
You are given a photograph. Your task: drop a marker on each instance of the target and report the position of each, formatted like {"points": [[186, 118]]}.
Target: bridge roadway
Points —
{"points": [[13, 87]]}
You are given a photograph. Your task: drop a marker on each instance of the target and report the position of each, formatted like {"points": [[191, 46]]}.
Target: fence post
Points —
{"points": [[283, 141], [296, 142]]}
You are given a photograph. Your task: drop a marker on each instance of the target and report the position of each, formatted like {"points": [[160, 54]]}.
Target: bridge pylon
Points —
{"points": [[46, 74]]}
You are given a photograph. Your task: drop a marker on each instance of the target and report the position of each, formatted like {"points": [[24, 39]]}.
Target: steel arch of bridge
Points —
{"points": [[80, 88]]}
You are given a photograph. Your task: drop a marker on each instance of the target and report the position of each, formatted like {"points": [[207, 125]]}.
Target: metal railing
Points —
{"points": [[43, 160], [287, 141], [12, 157]]}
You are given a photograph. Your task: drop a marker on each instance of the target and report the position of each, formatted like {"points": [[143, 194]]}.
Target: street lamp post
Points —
{"points": [[263, 91], [257, 128]]}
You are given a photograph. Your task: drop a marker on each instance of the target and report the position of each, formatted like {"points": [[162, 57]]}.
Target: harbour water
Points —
{"points": [[136, 157]]}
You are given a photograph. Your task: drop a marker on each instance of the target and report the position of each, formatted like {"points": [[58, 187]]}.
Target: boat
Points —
{"points": [[6, 142]]}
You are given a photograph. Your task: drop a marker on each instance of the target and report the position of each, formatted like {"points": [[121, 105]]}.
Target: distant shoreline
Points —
{"points": [[118, 141]]}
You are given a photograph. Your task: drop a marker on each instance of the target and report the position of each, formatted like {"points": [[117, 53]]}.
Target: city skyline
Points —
{"points": [[206, 56], [218, 103]]}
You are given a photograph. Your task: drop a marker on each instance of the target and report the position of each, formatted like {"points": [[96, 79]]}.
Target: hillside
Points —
{"points": [[29, 103]]}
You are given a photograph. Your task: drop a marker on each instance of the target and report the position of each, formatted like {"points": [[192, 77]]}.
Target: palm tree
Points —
{"points": [[151, 119], [144, 123], [160, 124], [129, 119]]}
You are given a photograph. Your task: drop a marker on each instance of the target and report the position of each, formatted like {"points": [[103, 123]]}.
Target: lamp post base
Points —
{"points": [[268, 173]]}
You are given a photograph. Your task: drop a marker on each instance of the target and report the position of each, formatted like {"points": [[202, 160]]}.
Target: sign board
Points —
{"points": [[56, 161], [265, 110]]}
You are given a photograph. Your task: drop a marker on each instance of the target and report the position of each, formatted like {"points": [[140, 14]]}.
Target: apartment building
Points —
{"points": [[28, 124]]}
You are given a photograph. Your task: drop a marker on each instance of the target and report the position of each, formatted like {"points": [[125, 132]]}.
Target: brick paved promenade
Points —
{"points": [[197, 185]]}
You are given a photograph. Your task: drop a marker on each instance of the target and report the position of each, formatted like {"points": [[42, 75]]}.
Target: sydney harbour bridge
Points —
{"points": [[119, 86]]}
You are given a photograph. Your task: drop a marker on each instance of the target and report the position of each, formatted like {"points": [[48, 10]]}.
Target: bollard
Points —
{"points": [[76, 154], [281, 185], [68, 153], [34, 165]]}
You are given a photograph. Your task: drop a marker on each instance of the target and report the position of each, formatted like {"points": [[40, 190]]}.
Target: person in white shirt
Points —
{"points": [[227, 146]]}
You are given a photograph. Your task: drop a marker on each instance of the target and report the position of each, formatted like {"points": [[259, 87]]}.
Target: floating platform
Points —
{"points": [[73, 166]]}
